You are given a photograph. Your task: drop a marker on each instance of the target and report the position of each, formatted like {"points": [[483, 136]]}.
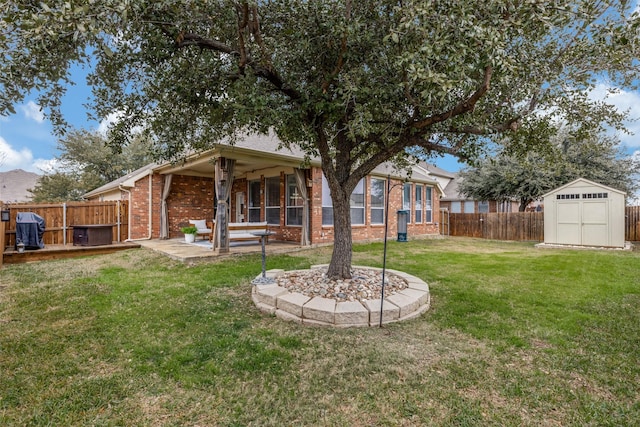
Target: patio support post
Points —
{"points": [[223, 181], [301, 183], [164, 209]]}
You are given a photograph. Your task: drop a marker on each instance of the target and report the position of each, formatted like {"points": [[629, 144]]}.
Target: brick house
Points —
{"points": [[264, 188], [456, 202]]}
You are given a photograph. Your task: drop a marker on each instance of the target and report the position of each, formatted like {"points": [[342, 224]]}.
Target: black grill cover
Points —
{"points": [[29, 230]]}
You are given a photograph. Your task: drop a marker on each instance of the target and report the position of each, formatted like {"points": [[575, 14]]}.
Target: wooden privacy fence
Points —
{"points": [[632, 223], [521, 225], [60, 218], [499, 226]]}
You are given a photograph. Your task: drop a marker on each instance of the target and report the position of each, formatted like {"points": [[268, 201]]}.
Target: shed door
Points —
{"points": [[583, 222], [569, 223], [595, 223]]}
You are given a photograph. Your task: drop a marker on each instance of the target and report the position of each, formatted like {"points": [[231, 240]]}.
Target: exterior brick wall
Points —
{"points": [[191, 197]]}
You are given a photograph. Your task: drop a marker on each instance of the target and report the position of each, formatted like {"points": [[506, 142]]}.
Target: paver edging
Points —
{"points": [[407, 304]]}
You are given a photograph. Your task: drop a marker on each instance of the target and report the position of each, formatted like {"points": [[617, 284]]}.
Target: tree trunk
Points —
{"points": [[340, 266]]}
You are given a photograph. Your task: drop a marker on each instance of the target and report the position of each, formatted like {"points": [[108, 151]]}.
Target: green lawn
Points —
{"points": [[515, 336]]}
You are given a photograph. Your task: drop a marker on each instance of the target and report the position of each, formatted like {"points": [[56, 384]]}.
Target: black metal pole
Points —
{"points": [[264, 258], [384, 258]]}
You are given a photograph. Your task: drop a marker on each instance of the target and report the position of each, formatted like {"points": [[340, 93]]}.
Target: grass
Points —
{"points": [[515, 336]]}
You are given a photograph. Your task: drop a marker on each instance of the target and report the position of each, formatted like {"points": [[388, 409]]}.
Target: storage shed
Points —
{"points": [[584, 213]]}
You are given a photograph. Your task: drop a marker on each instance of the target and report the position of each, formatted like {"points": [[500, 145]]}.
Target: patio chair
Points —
{"points": [[201, 225]]}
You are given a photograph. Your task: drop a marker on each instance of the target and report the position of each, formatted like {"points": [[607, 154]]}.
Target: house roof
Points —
{"points": [[127, 180], [249, 151], [451, 191], [436, 171]]}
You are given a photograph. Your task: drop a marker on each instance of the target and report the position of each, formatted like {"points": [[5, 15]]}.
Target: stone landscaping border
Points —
{"points": [[294, 306]]}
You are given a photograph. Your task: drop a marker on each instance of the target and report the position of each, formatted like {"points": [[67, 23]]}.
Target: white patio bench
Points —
{"points": [[241, 231]]}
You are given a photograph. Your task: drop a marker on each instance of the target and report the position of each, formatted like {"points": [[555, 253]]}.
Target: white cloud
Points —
{"points": [[104, 125], [623, 101], [11, 158], [32, 111]]}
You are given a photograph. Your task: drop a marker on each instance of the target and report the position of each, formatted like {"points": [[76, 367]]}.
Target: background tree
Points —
{"points": [[527, 177], [86, 162], [355, 83], [58, 187]]}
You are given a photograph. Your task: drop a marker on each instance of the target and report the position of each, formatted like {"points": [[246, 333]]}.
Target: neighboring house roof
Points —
{"points": [[451, 191], [436, 171], [251, 148]]}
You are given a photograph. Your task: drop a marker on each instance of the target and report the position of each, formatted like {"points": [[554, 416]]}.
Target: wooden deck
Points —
{"points": [[53, 252]]}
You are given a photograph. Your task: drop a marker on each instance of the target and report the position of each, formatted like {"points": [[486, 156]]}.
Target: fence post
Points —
{"points": [[64, 224], [1, 242], [118, 219]]}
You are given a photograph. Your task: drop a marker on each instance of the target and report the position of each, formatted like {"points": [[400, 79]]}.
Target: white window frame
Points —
{"points": [[357, 203], [292, 185], [253, 205], [327, 204], [418, 207], [406, 204], [375, 207], [456, 207], [471, 204], [428, 208], [269, 209]]}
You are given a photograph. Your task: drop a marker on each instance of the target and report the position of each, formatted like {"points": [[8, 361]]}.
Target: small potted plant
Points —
{"points": [[189, 233]]}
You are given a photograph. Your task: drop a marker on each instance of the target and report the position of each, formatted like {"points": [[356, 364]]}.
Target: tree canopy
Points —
{"points": [[355, 82], [85, 163], [527, 177]]}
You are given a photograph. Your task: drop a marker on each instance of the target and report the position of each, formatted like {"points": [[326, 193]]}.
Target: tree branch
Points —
{"points": [[341, 54], [463, 107], [191, 39]]}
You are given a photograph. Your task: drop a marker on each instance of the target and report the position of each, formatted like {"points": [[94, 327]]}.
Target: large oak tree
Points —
{"points": [[356, 83]]}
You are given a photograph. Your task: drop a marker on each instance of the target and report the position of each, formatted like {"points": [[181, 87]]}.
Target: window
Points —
{"points": [[272, 200], [418, 207], [357, 204], [327, 203], [455, 207], [254, 201], [376, 200], [483, 207], [429, 205], [406, 200], [469, 206], [294, 202]]}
